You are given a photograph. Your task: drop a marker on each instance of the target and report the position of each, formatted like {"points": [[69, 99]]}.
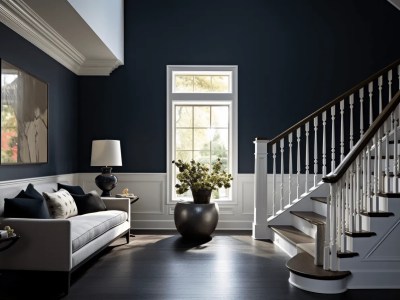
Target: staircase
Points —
{"points": [[342, 228]]}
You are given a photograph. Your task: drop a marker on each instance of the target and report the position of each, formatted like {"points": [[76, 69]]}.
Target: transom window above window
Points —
{"points": [[202, 82]]}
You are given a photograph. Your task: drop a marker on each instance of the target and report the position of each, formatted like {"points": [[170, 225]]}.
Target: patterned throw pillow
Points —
{"points": [[61, 204]]}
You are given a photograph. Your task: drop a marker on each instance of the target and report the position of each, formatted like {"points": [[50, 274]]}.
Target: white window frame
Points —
{"points": [[230, 98]]}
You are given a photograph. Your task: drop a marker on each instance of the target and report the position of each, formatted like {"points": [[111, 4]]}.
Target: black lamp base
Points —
{"points": [[106, 181]]}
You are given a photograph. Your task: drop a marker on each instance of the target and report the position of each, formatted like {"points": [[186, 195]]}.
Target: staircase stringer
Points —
{"points": [[302, 204]]}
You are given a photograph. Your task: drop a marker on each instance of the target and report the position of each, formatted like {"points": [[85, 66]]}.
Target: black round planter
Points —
{"points": [[201, 196], [193, 220]]}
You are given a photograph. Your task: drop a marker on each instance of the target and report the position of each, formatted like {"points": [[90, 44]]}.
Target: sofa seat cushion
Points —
{"points": [[85, 228]]}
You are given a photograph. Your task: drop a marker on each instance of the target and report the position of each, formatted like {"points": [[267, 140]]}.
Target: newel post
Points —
{"points": [[260, 229]]}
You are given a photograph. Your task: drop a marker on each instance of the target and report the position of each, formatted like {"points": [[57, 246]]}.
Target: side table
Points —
{"points": [[8, 242], [133, 200]]}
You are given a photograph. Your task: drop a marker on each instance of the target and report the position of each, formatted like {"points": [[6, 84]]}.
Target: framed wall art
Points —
{"points": [[24, 117]]}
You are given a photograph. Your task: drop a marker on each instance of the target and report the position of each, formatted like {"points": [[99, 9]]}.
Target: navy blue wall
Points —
{"points": [[293, 57], [63, 105]]}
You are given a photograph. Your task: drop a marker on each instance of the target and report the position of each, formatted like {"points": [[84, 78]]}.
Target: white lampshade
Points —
{"points": [[106, 153]]}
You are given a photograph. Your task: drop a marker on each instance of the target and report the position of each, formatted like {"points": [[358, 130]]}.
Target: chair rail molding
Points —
{"points": [[22, 19]]}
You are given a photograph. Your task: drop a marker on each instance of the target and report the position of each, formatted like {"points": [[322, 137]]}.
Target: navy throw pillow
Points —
{"points": [[72, 189], [32, 193], [26, 208], [89, 203]]}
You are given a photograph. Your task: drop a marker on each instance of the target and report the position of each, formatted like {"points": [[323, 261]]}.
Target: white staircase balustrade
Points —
{"points": [[362, 169]]}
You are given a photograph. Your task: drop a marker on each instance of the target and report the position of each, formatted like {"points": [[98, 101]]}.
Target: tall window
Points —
{"points": [[202, 109]]}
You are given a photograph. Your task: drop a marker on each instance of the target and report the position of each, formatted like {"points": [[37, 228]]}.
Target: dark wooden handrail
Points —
{"points": [[369, 134], [333, 102]]}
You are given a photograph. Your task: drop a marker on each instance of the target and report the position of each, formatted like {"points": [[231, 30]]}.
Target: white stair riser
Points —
{"points": [[319, 208], [304, 226], [287, 247], [318, 286]]}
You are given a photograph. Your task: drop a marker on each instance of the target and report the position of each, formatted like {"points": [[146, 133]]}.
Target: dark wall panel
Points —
{"points": [[63, 105], [293, 57]]}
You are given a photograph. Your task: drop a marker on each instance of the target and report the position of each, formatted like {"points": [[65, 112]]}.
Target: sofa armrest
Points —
{"points": [[44, 244], [123, 204]]}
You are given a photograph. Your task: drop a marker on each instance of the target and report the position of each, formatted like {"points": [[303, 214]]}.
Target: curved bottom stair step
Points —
{"points": [[307, 276]]}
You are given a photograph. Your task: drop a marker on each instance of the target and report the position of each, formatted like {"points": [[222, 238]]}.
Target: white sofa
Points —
{"points": [[62, 245]]}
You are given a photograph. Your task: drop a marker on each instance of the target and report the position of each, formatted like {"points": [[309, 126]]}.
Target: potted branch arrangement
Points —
{"points": [[200, 179], [198, 218]]}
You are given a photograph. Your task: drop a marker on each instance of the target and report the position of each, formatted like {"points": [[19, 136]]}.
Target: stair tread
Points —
{"points": [[303, 264], [383, 156], [362, 233], [320, 199], [311, 217], [377, 214], [307, 247], [389, 195], [346, 254], [292, 234]]}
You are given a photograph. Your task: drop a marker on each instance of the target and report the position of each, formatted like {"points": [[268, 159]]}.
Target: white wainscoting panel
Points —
{"points": [[152, 211]]}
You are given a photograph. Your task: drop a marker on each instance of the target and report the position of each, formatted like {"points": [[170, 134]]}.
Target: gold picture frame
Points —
{"points": [[24, 117]]}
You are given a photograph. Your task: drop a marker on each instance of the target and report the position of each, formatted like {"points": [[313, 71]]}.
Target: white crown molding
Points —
{"points": [[396, 3], [19, 17]]}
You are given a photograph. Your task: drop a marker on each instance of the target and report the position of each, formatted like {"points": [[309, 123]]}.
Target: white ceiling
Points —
{"points": [[56, 27]]}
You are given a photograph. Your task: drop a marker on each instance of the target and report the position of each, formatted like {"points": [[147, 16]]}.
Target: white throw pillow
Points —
{"points": [[61, 204]]}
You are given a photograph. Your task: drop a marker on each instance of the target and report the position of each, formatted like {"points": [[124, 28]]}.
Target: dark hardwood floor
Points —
{"points": [[162, 265]]}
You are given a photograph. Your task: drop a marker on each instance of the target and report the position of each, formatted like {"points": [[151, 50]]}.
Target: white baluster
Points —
{"points": [[395, 158], [340, 215], [327, 250], [357, 188], [370, 91], [398, 74], [386, 128], [290, 140], [333, 164], [315, 151], [380, 165], [333, 234], [376, 169], [361, 95], [307, 158], [341, 130], [364, 177], [380, 82], [351, 102], [273, 178], [345, 211], [298, 135], [369, 172], [390, 77], [352, 196], [338, 212], [282, 145], [324, 143]]}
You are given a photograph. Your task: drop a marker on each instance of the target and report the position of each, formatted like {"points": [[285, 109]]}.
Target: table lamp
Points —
{"points": [[106, 153]]}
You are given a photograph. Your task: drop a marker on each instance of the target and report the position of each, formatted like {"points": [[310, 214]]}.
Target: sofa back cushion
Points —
{"points": [[61, 204]]}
